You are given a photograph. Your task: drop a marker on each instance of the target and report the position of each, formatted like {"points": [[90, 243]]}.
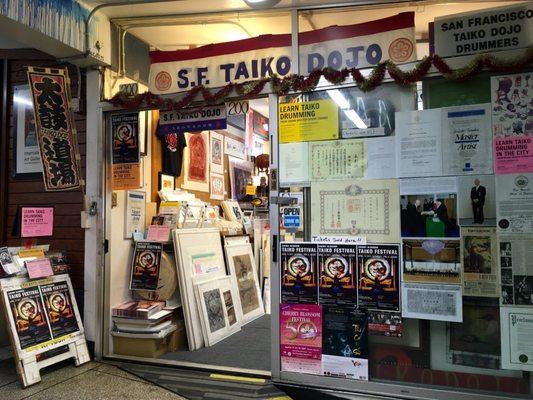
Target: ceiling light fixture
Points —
{"points": [[261, 3], [344, 104]]}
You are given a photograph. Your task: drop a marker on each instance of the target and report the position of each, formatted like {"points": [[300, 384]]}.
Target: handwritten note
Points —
{"points": [[338, 239], [39, 268]]}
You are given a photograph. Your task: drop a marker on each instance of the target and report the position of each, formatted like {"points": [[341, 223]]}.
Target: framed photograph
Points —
{"points": [[240, 173], [216, 302], [260, 125], [217, 183], [243, 272], [216, 151], [232, 211], [26, 155], [167, 182], [135, 213], [199, 258]]}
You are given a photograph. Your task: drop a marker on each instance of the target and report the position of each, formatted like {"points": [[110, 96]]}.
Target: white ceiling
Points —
{"points": [[182, 31]]}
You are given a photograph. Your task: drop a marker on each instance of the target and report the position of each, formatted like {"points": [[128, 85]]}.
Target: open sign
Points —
{"points": [[291, 217]]}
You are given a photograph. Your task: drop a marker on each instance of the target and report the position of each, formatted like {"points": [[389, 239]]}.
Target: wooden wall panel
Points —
{"points": [[68, 234]]}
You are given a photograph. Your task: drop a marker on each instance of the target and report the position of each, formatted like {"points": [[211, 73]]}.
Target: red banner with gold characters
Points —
{"points": [[56, 131]]}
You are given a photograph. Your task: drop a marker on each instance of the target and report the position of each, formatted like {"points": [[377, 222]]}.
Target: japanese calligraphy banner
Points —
{"points": [[56, 132]]}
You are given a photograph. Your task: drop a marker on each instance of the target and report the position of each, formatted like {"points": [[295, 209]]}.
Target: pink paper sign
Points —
{"points": [[39, 268], [301, 338], [513, 154], [37, 221], [158, 233]]}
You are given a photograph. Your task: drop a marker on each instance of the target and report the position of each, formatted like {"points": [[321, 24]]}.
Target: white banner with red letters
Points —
{"points": [[360, 45]]}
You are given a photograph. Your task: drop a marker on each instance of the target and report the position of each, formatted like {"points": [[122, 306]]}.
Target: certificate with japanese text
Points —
{"points": [[338, 159], [357, 207]]}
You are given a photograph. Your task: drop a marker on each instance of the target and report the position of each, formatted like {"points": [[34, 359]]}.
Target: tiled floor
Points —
{"points": [[93, 381]]}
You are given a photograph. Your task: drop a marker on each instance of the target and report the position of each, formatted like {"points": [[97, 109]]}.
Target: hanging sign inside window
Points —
{"points": [[204, 119], [501, 28], [360, 45], [56, 132], [125, 128], [291, 217]]}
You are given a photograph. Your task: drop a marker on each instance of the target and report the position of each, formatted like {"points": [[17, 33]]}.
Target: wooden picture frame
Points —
{"points": [[240, 172], [243, 272]]}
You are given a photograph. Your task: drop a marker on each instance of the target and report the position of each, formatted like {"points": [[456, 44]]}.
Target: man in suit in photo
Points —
{"points": [[477, 195]]}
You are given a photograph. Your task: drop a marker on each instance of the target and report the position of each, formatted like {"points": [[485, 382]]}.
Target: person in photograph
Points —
{"points": [[474, 262], [477, 196], [441, 211]]}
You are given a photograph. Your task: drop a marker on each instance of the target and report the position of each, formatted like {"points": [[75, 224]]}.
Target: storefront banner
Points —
{"points": [[125, 130], [56, 131], [204, 119], [308, 121], [37, 221], [301, 338], [501, 28], [360, 45]]}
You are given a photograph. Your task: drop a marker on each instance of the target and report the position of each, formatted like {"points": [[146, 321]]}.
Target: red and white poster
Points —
{"points": [[196, 162], [348, 46], [56, 131], [301, 338]]}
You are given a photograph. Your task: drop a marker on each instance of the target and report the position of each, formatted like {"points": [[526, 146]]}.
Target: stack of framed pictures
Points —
{"points": [[199, 258], [243, 273]]}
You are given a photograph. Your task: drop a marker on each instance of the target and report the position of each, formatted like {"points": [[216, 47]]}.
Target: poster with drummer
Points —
{"points": [[378, 285], [337, 266], [125, 128], [28, 317], [59, 308], [299, 273], [146, 266]]}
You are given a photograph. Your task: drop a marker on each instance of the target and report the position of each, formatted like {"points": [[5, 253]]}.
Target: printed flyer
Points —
{"points": [[338, 266], [514, 196], [299, 273], [345, 343], [29, 318], [146, 266], [59, 308], [125, 128], [379, 277], [512, 123], [516, 269], [301, 338]]}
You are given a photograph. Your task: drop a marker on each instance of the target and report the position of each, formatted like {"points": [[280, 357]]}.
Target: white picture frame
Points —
{"points": [[199, 258], [135, 218], [220, 315], [243, 272], [216, 152]]}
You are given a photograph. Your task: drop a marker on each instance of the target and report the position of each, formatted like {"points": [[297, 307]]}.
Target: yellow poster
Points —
{"points": [[308, 121]]}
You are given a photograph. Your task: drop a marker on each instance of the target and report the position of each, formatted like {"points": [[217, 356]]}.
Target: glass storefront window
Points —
{"points": [[431, 286]]}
